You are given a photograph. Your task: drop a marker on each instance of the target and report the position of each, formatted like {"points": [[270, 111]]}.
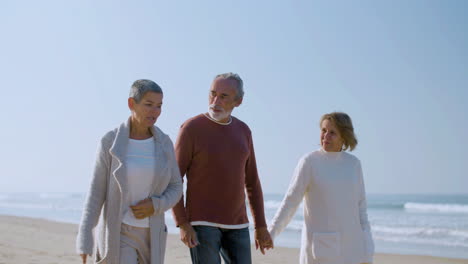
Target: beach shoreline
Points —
{"points": [[34, 240]]}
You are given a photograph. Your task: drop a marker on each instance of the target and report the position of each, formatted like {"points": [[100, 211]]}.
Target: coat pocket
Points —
{"points": [[326, 245]]}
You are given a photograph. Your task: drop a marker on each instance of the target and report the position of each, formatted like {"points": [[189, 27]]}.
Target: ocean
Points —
{"points": [[433, 225]]}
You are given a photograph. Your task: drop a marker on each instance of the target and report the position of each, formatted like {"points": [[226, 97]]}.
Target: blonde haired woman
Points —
{"points": [[336, 229]]}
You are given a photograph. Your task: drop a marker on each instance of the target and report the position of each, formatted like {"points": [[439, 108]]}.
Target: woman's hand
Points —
{"points": [[143, 208]]}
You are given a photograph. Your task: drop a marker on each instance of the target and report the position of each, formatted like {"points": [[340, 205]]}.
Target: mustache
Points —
{"points": [[215, 107]]}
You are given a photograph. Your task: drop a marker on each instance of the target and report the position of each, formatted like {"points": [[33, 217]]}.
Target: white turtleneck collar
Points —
{"points": [[331, 154]]}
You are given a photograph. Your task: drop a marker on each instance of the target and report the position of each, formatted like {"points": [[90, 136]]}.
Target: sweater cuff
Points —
{"points": [[156, 205], [272, 232], [84, 244]]}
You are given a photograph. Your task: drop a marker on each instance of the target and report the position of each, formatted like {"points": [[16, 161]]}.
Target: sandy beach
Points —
{"points": [[28, 240]]}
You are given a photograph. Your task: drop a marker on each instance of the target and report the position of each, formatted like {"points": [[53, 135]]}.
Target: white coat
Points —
{"points": [[104, 207]]}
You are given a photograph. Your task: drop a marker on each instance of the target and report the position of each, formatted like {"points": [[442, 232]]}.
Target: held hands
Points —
{"points": [[143, 208], [263, 239], [188, 235]]}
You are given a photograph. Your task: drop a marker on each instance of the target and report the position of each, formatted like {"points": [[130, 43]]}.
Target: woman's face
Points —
{"points": [[330, 137], [147, 111]]}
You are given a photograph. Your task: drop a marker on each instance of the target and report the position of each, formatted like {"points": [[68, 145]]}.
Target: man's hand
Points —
{"points": [[188, 235], [143, 208], [263, 239]]}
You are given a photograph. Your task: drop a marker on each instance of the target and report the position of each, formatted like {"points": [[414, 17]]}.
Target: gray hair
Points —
{"points": [[141, 87], [237, 78]]}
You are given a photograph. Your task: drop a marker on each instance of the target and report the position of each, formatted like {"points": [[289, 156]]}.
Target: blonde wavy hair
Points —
{"points": [[344, 124]]}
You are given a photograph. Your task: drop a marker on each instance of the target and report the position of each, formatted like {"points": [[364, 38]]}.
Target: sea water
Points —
{"points": [[434, 225]]}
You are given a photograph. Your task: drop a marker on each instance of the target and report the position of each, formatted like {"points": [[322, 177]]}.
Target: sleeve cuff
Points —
{"points": [[156, 205]]}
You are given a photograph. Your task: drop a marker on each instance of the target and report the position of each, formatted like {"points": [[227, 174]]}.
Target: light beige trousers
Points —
{"points": [[134, 245]]}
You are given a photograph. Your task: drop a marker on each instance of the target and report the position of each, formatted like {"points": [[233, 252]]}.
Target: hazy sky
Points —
{"points": [[398, 68]]}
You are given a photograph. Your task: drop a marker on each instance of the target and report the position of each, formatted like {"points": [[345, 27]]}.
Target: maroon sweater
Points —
{"points": [[219, 163]]}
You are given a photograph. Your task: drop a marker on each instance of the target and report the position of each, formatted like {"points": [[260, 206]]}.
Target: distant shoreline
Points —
{"points": [[41, 241], [422, 225]]}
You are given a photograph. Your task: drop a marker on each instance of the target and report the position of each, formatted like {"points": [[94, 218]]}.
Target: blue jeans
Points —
{"points": [[232, 244]]}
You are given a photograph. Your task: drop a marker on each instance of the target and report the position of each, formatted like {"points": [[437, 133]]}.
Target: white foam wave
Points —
{"points": [[295, 225], [42, 206], [56, 195], [423, 241], [274, 204], [25, 206], [441, 208], [422, 235], [459, 233], [397, 230], [270, 204], [419, 231]]}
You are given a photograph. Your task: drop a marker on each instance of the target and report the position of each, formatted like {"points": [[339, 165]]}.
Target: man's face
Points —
{"points": [[223, 99]]}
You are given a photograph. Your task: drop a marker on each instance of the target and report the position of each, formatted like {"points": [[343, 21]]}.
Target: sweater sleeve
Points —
{"points": [[95, 198], [171, 196], [296, 191], [254, 188], [183, 154], [364, 219]]}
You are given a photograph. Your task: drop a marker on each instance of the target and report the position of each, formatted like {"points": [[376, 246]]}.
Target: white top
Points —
{"points": [[217, 122], [205, 223], [336, 229], [140, 163]]}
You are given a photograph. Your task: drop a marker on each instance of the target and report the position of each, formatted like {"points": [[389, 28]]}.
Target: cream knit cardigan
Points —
{"points": [[103, 206], [336, 229]]}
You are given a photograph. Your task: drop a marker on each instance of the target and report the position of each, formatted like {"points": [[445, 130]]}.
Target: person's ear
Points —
{"points": [[239, 101], [131, 103]]}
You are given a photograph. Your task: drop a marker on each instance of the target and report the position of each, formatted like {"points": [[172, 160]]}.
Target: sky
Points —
{"points": [[398, 68]]}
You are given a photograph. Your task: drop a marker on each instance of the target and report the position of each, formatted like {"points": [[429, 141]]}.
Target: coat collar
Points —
{"points": [[119, 147], [119, 151]]}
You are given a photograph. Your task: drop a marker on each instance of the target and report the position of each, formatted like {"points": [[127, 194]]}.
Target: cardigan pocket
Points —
{"points": [[326, 245]]}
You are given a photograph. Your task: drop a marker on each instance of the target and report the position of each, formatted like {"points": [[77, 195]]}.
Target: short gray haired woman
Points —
{"points": [[136, 179], [330, 181]]}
